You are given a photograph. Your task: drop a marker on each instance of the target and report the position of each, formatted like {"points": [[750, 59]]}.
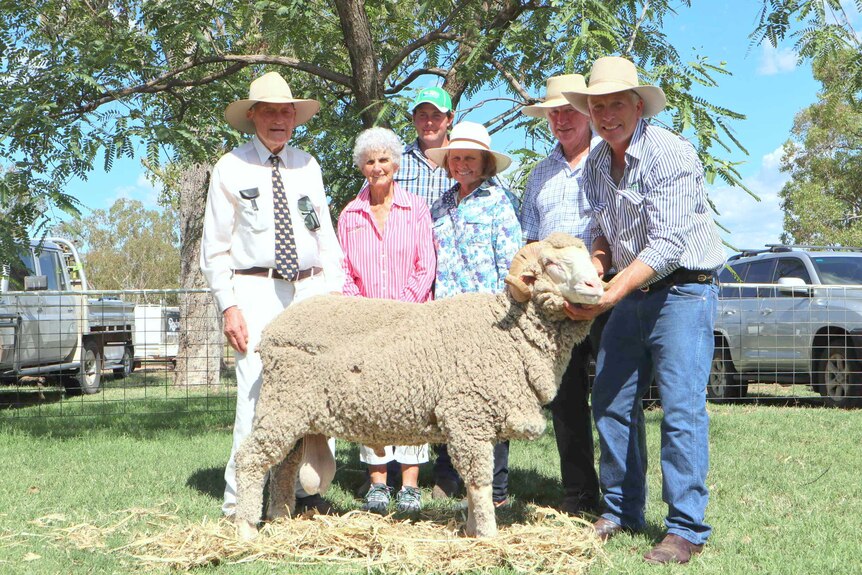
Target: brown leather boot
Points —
{"points": [[673, 549]]}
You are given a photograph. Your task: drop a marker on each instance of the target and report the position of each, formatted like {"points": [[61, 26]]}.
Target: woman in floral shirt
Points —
{"points": [[476, 235]]}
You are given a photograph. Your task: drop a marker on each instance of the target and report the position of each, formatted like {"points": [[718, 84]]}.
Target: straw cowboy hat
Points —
{"points": [[469, 136], [272, 89], [554, 98], [613, 74]]}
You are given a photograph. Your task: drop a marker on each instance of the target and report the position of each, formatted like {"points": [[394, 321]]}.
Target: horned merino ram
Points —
{"points": [[468, 371]]}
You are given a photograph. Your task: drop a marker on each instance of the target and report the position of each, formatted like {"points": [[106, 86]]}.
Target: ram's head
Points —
{"points": [[552, 270]]}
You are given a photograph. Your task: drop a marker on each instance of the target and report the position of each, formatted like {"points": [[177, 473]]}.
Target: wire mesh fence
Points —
{"points": [[98, 353], [789, 340], [66, 353]]}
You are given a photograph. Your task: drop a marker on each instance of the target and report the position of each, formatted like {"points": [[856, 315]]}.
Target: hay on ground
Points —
{"points": [[547, 542]]}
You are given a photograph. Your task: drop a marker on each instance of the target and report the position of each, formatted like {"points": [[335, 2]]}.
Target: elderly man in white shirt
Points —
{"points": [[268, 240]]}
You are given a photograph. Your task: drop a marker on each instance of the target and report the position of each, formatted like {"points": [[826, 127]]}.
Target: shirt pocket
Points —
{"points": [[477, 229], [251, 219]]}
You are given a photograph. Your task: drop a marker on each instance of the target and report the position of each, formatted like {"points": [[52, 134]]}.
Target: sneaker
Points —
{"points": [[315, 503], [408, 500], [377, 499]]}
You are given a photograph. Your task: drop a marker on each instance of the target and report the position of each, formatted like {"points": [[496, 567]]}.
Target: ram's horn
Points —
{"points": [[521, 264]]}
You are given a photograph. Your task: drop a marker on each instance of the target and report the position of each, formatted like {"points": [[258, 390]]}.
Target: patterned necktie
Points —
{"points": [[285, 248]]}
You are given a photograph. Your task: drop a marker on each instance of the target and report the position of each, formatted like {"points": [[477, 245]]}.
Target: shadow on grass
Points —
{"points": [[20, 399], [208, 481]]}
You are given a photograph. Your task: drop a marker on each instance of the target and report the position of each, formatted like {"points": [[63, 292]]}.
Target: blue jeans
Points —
{"points": [[666, 334]]}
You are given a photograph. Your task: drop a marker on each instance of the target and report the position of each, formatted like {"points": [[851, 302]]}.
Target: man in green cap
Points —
{"points": [[432, 117]]}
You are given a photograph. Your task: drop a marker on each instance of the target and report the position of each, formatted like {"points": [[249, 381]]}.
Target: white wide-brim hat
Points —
{"points": [[613, 74], [272, 89], [554, 88], [469, 136]]}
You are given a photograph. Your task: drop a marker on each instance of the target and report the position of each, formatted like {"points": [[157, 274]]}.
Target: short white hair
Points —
{"points": [[377, 140]]}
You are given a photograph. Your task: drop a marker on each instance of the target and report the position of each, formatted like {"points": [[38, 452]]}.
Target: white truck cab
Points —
{"points": [[50, 327]]}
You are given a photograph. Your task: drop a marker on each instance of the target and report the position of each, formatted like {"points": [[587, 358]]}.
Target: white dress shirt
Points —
{"points": [[239, 233]]}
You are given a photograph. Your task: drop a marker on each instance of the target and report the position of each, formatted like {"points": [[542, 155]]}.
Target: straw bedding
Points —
{"points": [[546, 542]]}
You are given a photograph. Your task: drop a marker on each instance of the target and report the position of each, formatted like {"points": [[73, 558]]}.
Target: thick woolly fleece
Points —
{"points": [[469, 371]]}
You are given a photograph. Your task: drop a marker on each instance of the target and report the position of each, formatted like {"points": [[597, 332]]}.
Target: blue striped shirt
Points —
{"points": [[418, 176], [659, 213], [554, 200]]}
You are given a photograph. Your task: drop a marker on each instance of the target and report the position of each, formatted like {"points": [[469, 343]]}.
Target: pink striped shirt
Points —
{"points": [[398, 264]]}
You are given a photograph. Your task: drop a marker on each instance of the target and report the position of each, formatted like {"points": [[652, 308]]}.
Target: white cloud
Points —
{"points": [[142, 190], [776, 61], [752, 223]]}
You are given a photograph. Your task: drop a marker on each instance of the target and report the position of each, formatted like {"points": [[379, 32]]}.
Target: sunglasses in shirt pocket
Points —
{"points": [[309, 216]]}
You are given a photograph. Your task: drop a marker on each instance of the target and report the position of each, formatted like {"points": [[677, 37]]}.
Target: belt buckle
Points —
{"points": [[701, 278], [269, 272]]}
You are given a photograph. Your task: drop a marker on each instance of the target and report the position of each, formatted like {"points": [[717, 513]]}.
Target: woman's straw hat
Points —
{"points": [[469, 136]]}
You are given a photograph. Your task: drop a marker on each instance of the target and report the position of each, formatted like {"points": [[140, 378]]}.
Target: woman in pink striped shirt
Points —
{"points": [[385, 234]]}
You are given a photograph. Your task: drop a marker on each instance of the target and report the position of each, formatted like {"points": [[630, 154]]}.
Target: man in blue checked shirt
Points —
{"points": [[652, 222], [554, 202], [432, 118]]}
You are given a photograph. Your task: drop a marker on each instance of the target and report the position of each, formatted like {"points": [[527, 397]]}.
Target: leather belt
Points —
{"points": [[274, 274], [681, 276]]}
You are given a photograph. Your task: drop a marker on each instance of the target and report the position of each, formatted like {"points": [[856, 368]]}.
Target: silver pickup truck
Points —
{"points": [[51, 327], [791, 314]]}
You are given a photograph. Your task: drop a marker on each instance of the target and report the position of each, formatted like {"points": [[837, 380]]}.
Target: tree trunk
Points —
{"points": [[200, 349], [367, 85]]}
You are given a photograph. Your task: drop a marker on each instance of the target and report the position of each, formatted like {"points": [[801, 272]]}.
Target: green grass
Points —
{"points": [[785, 487]]}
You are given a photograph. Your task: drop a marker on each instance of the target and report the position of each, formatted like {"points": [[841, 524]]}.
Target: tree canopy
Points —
{"points": [[822, 202], [83, 81], [127, 246]]}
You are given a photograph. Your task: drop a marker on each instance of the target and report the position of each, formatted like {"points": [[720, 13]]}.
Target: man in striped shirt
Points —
{"points": [[432, 117], [653, 224], [554, 202]]}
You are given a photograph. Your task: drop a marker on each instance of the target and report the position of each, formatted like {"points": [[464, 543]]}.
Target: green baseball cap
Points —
{"points": [[437, 97]]}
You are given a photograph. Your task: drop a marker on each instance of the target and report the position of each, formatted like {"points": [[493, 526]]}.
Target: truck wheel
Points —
{"points": [[837, 374], [127, 365], [89, 376], [722, 382]]}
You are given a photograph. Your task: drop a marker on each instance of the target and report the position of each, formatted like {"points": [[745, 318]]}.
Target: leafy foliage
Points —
{"points": [[823, 200], [127, 246], [84, 81]]}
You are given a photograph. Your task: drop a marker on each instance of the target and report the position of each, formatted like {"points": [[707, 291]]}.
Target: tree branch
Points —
{"points": [[432, 36], [636, 28], [164, 82], [413, 75], [516, 85]]}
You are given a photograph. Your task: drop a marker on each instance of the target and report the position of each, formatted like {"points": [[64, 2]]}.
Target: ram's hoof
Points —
{"points": [[245, 530]]}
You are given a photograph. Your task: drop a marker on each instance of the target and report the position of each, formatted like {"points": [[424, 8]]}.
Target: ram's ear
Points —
{"points": [[521, 287]]}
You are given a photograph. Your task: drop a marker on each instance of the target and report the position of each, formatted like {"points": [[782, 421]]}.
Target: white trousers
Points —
{"points": [[260, 300], [403, 454]]}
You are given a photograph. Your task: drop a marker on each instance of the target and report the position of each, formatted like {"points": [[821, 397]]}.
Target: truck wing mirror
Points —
{"points": [[793, 287], [35, 283]]}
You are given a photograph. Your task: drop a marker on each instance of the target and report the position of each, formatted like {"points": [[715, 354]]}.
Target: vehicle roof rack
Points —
{"points": [[807, 247]]}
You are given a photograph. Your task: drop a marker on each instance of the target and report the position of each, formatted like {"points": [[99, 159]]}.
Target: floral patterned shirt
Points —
{"points": [[475, 240]]}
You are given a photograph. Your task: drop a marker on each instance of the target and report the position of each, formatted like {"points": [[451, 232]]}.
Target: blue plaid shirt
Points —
{"points": [[554, 200], [417, 175], [659, 213]]}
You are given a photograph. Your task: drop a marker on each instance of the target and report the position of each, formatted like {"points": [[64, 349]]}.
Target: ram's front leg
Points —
{"points": [[474, 461]]}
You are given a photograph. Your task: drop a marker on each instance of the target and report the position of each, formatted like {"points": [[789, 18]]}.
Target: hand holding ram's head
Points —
{"points": [[554, 270]]}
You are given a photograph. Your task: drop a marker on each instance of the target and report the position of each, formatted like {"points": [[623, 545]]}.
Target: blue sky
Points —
{"points": [[767, 86]]}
